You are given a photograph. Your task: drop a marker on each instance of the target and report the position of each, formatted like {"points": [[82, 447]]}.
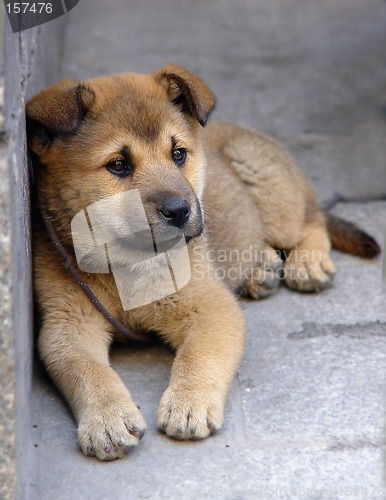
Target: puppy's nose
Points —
{"points": [[176, 211]]}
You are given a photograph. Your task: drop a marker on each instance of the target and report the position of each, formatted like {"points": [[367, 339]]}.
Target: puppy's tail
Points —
{"points": [[348, 238]]}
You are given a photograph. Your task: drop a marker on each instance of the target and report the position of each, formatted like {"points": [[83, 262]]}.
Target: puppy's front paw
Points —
{"points": [[185, 413], [109, 431], [308, 271]]}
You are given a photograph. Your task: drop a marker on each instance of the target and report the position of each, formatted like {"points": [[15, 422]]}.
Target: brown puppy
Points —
{"points": [[234, 195]]}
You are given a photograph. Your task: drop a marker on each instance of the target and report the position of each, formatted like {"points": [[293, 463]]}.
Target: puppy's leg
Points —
{"points": [[74, 348], [308, 267], [292, 220], [207, 331]]}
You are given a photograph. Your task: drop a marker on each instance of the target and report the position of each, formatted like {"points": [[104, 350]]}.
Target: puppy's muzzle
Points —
{"points": [[175, 211]]}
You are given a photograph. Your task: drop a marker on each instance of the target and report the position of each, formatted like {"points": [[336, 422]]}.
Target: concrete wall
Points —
{"points": [[31, 62]]}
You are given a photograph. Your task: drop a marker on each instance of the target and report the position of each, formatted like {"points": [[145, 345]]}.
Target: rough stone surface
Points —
{"points": [[7, 371], [306, 417], [31, 59]]}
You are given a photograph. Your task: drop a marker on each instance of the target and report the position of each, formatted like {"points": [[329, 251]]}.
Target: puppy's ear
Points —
{"points": [[187, 91], [56, 112]]}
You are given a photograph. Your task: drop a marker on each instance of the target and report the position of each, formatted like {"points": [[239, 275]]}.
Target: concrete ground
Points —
{"points": [[306, 416]]}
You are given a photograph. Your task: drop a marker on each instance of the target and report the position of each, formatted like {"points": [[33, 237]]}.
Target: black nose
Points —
{"points": [[176, 211]]}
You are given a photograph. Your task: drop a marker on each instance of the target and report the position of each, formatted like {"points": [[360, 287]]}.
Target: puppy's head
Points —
{"points": [[103, 137]]}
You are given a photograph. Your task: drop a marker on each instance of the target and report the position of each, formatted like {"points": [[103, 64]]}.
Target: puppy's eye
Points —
{"points": [[179, 156], [120, 168]]}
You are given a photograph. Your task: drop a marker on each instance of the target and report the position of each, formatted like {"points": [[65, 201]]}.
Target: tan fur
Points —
{"points": [[252, 197]]}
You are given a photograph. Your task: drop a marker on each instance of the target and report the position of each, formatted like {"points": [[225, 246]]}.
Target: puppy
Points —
{"points": [[134, 147]]}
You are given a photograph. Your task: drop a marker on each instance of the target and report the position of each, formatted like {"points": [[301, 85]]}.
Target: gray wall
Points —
{"points": [[31, 62]]}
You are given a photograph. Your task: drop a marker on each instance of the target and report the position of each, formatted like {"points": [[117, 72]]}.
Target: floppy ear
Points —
{"points": [[187, 91], [56, 112]]}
